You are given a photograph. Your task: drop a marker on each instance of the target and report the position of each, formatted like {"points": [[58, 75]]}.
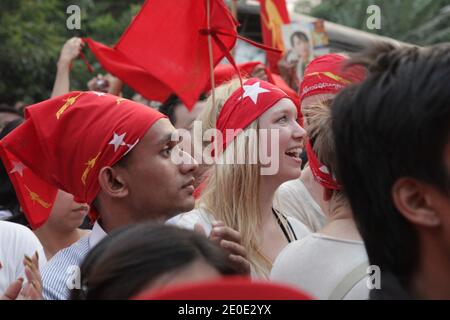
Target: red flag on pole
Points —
{"points": [[165, 48], [273, 15]]}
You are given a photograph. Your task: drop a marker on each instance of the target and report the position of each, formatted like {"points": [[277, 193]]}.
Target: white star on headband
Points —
{"points": [[99, 94], [117, 141], [253, 91], [18, 167]]}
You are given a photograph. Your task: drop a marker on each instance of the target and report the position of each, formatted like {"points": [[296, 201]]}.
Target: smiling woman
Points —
{"points": [[241, 194]]}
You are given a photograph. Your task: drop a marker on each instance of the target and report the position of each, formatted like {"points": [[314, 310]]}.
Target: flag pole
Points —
{"points": [[210, 50]]}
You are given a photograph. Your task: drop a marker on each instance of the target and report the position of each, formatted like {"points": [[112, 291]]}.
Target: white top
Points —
{"points": [[293, 199], [189, 219], [15, 241], [318, 265], [5, 214], [62, 271]]}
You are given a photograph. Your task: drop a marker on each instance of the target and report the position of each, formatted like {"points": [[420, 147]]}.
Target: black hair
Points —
{"points": [[128, 259], [8, 197], [300, 35], [168, 107], [394, 124]]}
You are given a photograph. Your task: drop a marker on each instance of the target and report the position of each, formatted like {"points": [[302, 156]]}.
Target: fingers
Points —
{"points": [[227, 233], [242, 265], [32, 271], [13, 290], [233, 248]]}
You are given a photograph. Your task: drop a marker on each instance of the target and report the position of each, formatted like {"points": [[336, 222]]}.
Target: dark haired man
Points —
{"points": [[178, 113], [392, 136], [107, 151]]}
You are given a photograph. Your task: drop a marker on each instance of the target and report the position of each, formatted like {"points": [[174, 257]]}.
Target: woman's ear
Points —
{"points": [[112, 182]]}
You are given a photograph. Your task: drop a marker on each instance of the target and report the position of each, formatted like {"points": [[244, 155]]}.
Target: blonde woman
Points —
{"points": [[240, 194]]}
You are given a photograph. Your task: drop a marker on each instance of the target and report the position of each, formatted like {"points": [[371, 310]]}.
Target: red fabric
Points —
{"points": [[226, 289], [245, 105], [165, 48], [327, 74], [273, 15], [320, 171], [65, 141], [226, 72]]}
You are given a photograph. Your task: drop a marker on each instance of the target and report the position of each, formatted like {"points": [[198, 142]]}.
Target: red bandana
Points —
{"points": [[327, 75], [63, 144], [245, 105]]}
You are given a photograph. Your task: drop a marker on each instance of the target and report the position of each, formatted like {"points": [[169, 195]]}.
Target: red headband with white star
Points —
{"points": [[63, 144], [245, 105]]}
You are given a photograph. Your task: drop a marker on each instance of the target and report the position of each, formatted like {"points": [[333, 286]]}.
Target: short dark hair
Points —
{"points": [[300, 35], [128, 259], [394, 124], [168, 107], [8, 196]]}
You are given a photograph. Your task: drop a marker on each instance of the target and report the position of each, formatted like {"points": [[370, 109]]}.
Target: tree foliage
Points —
{"points": [[32, 34], [422, 22]]}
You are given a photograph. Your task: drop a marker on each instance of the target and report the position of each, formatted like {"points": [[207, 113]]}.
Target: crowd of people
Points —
{"points": [[349, 174]]}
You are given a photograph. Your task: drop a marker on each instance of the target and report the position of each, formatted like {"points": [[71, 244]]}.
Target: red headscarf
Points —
{"points": [[245, 105], [327, 74], [63, 144]]}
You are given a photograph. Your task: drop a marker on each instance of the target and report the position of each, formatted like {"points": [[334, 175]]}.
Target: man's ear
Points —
{"points": [[415, 201], [112, 182]]}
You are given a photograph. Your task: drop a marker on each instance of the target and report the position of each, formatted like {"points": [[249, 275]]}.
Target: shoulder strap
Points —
{"points": [[349, 281]]}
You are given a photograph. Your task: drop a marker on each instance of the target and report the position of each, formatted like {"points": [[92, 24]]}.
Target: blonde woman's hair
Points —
{"points": [[232, 190]]}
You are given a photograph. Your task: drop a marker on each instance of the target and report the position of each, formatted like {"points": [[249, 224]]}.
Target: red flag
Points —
{"points": [[273, 15], [165, 48]]}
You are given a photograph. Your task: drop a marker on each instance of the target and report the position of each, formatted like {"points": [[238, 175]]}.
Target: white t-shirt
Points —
{"points": [[16, 241], [5, 214], [189, 219], [293, 199], [318, 264]]}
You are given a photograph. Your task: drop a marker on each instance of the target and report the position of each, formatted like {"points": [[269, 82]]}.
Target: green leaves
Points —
{"points": [[422, 22], [32, 34]]}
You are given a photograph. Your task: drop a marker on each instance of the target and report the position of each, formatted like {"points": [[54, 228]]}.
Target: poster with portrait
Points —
{"points": [[303, 41]]}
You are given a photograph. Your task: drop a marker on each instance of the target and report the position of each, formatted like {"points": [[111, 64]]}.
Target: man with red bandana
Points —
{"points": [[109, 152]]}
